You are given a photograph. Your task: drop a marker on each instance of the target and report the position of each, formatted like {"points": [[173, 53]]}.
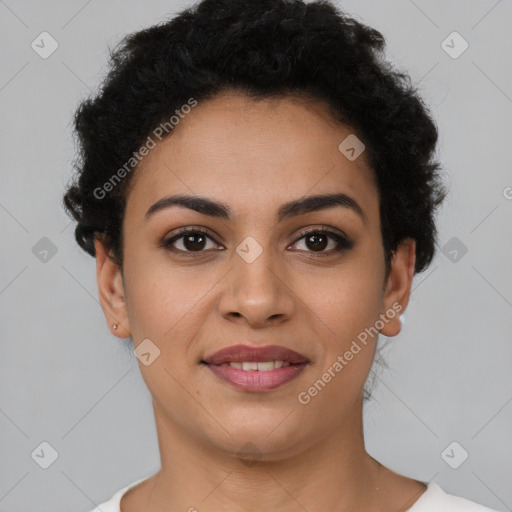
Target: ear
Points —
{"points": [[398, 286], [111, 291]]}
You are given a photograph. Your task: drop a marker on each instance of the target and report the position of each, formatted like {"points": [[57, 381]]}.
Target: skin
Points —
{"points": [[254, 156]]}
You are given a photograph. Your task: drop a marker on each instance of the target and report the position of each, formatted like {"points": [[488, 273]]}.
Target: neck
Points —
{"points": [[334, 473]]}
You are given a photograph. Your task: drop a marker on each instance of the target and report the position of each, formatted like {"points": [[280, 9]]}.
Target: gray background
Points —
{"points": [[66, 380]]}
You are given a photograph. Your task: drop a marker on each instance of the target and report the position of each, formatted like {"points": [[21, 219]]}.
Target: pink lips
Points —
{"points": [[256, 380], [240, 353]]}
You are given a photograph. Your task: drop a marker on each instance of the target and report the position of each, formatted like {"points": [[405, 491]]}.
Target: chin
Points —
{"points": [[260, 441]]}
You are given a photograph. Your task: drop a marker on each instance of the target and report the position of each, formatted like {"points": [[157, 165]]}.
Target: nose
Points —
{"points": [[258, 292]]}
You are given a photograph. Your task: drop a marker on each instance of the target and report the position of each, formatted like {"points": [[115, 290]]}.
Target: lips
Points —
{"points": [[247, 353], [256, 369]]}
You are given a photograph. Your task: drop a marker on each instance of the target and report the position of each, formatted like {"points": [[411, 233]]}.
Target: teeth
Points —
{"points": [[264, 366], [269, 365]]}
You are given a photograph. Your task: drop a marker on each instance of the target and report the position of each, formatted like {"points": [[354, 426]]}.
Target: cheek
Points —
{"points": [[346, 301], [344, 313], [346, 307], [162, 300]]}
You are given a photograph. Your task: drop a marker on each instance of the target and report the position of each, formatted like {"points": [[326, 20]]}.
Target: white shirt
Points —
{"points": [[434, 499]]}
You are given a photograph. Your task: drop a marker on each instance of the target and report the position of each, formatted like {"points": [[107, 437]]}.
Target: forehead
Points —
{"points": [[237, 150]]}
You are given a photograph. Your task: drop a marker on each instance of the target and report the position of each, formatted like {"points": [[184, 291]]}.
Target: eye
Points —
{"points": [[191, 239], [195, 240], [318, 240]]}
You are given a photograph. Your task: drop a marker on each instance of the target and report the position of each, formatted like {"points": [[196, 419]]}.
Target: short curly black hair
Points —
{"points": [[262, 48]]}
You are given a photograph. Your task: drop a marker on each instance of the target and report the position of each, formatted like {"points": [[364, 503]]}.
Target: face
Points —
{"points": [[259, 274]]}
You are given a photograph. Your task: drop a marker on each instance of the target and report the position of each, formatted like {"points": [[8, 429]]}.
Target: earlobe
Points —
{"points": [[111, 291], [398, 286]]}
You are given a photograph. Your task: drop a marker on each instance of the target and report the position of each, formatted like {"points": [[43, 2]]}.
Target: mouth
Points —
{"points": [[256, 369]]}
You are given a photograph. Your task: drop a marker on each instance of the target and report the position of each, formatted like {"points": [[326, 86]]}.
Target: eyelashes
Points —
{"points": [[183, 233], [187, 235], [342, 242]]}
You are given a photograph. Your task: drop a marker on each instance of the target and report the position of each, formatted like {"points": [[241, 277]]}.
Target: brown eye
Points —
{"points": [[194, 241], [317, 240], [191, 240]]}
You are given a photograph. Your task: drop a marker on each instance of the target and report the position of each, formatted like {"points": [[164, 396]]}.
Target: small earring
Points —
{"points": [[114, 326]]}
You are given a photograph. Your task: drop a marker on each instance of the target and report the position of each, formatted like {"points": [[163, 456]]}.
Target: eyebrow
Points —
{"points": [[293, 208]]}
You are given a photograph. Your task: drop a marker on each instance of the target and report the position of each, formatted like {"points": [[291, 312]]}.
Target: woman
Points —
{"points": [[258, 188]]}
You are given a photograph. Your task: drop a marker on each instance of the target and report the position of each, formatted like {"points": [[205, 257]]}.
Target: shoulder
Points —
{"points": [[434, 499], [113, 504]]}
